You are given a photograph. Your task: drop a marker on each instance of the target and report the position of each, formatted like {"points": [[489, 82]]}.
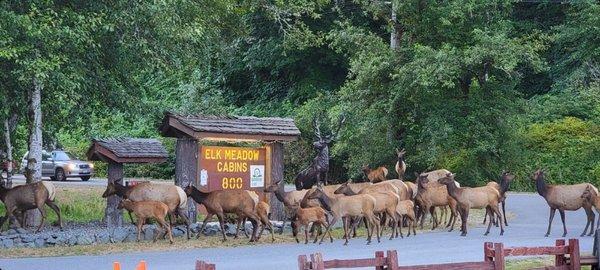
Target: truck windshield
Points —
{"points": [[62, 156]]}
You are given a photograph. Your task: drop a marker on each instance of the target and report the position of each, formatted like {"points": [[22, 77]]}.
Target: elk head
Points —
{"points": [[110, 190], [272, 187], [400, 154], [446, 180], [324, 140]]}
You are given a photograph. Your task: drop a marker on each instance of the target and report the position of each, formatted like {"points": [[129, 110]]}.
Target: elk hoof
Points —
{"points": [[463, 234], [581, 235], [486, 233], [546, 235], [297, 241], [564, 234], [590, 234], [501, 233]]}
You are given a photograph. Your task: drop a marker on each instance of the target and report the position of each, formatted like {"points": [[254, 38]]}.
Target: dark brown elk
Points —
{"points": [[592, 199], [171, 195], [145, 210], [375, 176], [564, 198], [502, 186], [27, 197], [316, 172], [473, 198], [346, 207], [400, 163], [220, 202], [290, 199]]}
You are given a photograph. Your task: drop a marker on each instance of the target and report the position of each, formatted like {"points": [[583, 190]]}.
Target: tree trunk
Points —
{"points": [[186, 169], [277, 208], [9, 157], [34, 159], [396, 34], [113, 216]]}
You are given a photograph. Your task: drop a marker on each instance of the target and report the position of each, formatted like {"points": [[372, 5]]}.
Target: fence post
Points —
{"points": [[319, 263], [574, 254], [379, 254], [498, 256], [302, 262], [560, 258], [392, 258], [487, 247]]}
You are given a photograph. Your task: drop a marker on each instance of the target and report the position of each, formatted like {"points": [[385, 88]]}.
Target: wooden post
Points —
{"points": [[487, 247], [595, 250], [318, 263], [113, 217], [560, 258], [498, 256], [392, 259], [302, 260], [277, 208], [574, 254], [186, 169], [379, 254]]}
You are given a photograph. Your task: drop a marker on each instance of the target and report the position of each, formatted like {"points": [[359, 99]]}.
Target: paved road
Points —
{"points": [[527, 229], [94, 182]]}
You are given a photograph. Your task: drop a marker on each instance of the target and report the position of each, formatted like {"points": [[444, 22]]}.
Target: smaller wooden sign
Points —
{"points": [[224, 168]]}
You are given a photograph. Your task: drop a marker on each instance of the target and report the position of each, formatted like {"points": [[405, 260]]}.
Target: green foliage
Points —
{"points": [[473, 86]]}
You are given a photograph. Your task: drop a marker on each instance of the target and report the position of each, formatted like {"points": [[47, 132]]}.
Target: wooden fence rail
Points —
{"points": [[494, 259], [202, 265]]}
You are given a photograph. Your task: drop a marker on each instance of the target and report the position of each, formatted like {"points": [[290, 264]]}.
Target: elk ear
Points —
{"points": [[416, 174], [397, 151]]}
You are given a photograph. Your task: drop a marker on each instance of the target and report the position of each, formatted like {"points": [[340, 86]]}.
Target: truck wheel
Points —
{"points": [[85, 178], [60, 175], [52, 178]]}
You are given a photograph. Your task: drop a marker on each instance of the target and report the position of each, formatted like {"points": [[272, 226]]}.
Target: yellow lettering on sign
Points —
{"points": [[212, 154], [232, 166], [242, 154]]}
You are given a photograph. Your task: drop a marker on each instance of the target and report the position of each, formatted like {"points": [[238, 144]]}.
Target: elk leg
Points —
{"points": [[592, 221], [333, 221], [488, 212], [140, 223], [504, 212], [500, 217], [43, 213], [208, 216], [221, 225], [181, 212], [552, 212], [562, 217], [434, 220], [2, 220], [423, 215], [306, 235], [345, 224], [255, 221], [54, 207], [464, 217], [270, 226], [394, 219], [378, 227], [400, 230], [326, 224], [130, 217]]}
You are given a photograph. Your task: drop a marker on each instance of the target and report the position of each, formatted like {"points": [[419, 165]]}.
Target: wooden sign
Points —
{"points": [[224, 168]]}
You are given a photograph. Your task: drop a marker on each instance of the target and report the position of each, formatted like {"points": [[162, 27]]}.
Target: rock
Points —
{"points": [[52, 240], [103, 238], [210, 231], [21, 231], [131, 237], [230, 229], [27, 238], [11, 231], [149, 232], [8, 243], [72, 241], [84, 240], [120, 235], [178, 232], [39, 242]]}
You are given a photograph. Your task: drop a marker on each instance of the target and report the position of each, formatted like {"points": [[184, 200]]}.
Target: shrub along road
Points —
{"points": [[526, 229]]}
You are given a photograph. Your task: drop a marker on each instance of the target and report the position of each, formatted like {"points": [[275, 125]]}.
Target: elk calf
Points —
{"points": [[148, 209], [406, 209], [305, 216]]}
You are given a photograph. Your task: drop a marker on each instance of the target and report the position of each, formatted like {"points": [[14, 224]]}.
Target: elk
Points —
{"points": [[171, 195], [291, 199], [591, 198], [385, 202], [430, 196], [145, 210], [473, 198], [316, 172], [304, 216], [357, 206], [28, 197], [564, 198], [375, 176], [263, 211], [219, 202], [504, 184], [400, 164], [406, 209]]}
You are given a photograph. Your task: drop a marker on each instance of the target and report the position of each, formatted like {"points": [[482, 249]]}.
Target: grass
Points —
{"points": [[532, 263]]}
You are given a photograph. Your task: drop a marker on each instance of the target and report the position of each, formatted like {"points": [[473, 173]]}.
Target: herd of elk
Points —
{"points": [[378, 201]]}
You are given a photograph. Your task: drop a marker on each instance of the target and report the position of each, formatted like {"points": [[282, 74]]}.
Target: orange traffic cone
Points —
{"points": [[116, 266], [141, 265]]}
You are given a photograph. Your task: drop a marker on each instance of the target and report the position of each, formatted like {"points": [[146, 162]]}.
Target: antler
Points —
{"points": [[341, 121], [316, 126]]}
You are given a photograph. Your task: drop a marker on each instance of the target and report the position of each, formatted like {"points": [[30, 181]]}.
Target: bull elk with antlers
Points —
{"points": [[317, 171]]}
